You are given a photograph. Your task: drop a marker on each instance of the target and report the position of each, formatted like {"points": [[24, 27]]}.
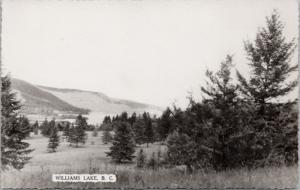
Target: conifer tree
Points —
{"points": [[138, 129], [269, 60], [82, 122], [164, 124], [124, 116], [46, 127], [122, 149], [66, 130], [141, 159], [182, 150], [106, 137], [148, 132], [25, 125], [53, 140], [132, 119], [228, 132], [77, 133], [14, 151]]}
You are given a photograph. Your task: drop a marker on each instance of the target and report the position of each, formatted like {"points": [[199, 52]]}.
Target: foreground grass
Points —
{"points": [[284, 177], [92, 159]]}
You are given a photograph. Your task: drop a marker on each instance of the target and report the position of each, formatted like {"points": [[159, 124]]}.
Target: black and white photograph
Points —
{"points": [[143, 94]]}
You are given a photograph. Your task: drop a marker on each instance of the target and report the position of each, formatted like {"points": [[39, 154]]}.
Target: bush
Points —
{"points": [[141, 159]]}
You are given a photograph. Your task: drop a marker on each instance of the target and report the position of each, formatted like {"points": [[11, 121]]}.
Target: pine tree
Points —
{"points": [[66, 131], [46, 127], [122, 149], [77, 134], [138, 129], [141, 159], [164, 124], [182, 150], [124, 117], [25, 125], [53, 140], [148, 133], [82, 122], [132, 119], [106, 137], [269, 58], [228, 132], [14, 151]]}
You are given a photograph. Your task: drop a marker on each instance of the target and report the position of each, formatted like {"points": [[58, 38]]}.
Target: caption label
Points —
{"points": [[108, 178]]}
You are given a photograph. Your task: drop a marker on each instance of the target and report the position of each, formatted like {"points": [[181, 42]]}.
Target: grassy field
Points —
{"points": [[91, 158]]}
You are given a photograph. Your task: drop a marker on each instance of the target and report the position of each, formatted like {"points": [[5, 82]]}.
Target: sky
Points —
{"points": [[154, 52]]}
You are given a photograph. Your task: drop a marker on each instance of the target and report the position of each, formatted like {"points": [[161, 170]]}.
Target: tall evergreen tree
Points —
{"points": [[228, 131], [164, 124], [148, 132], [66, 130], [124, 117], [269, 60], [138, 130], [77, 134], [132, 119], [25, 125], [106, 120], [53, 140], [122, 149], [14, 151]]}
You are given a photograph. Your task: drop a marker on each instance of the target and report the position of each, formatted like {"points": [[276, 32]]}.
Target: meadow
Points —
{"points": [[91, 158]]}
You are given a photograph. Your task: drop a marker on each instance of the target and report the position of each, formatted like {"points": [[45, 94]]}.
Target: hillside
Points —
{"points": [[38, 101], [99, 102], [42, 101]]}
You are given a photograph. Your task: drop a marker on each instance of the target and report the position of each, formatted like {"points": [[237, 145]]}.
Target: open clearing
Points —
{"points": [[91, 158]]}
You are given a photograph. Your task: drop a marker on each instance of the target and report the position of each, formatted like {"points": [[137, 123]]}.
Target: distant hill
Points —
{"points": [[38, 101], [45, 101], [98, 102]]}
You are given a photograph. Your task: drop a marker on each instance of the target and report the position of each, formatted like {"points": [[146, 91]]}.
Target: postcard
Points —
{"points": [[138, 94]]}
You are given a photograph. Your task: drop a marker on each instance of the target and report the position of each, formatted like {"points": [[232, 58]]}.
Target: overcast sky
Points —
{"points": [[147, 51]]}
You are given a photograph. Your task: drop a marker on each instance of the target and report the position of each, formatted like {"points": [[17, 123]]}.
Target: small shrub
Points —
{"points": [[141, 159], [95, 133], [35, 131], [152, 163]]}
